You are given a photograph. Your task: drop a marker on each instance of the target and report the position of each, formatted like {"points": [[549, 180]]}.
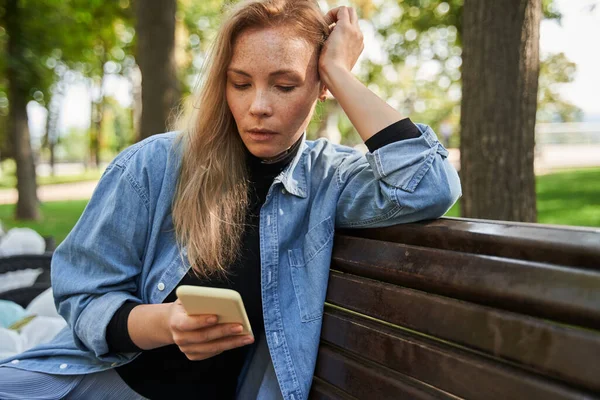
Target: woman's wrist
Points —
{"points": [[368, 113], [334, 77], [148, 326]]}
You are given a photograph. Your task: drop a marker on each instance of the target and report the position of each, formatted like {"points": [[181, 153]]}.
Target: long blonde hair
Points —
{"points": [[210, 203]]}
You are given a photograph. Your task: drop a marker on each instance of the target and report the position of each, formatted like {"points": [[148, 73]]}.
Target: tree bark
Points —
{"points": [[27, 203], [500, 81], [97, 117], [155, 29]]}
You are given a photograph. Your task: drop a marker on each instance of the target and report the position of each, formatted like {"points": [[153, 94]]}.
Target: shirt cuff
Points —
{"points": [[117, 334], [401, 130]]}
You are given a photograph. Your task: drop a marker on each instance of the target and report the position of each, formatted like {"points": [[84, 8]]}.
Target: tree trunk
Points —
{"points": [[51, 136], [27, 203], [98, 110], [135, 78], [155, 29], [500, 80]]}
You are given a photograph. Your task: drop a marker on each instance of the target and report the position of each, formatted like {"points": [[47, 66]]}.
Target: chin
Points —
{"points": [[263, 151]]}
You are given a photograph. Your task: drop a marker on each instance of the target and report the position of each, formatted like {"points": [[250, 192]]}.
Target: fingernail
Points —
{"points": [[248, 340], [211, 320], [237, 329]]}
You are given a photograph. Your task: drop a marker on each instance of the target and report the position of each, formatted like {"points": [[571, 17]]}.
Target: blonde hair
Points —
{"points": [[212, 192]]}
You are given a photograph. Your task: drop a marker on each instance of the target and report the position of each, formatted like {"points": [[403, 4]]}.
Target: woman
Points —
{"points": [[238, 200]]}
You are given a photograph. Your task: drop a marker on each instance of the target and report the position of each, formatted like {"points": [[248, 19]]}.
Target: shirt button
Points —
{"points": [[114, 364], [63, 366], [161, 286], [283, 191], [14, 362]]}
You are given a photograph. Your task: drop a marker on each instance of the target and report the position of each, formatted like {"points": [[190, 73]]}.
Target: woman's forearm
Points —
{"points": [[368, 113], [148, 326]]}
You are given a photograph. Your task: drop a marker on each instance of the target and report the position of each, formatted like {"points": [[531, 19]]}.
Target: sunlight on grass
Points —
{"points": [[565, 198], [58, 218], [569, 197]]}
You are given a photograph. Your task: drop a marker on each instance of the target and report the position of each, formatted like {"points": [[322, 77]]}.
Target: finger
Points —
{"points": [[187, 323], [353, 15], [333, 15], [216, 346], [207, 334]]}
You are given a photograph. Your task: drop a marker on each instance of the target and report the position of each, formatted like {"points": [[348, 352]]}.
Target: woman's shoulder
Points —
{"points": [[154, 151], [149, 165], [325, 151]]}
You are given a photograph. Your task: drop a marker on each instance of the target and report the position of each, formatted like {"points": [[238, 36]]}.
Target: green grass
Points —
{"points": [[569, 197], [564, 198], [58, 218]]}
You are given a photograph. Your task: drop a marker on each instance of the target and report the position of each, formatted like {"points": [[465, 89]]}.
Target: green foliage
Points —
{"points": [[198, 21], [556, 69], [117, 128], [414, 61], [106, 35], [60, 36], [550, 11]]}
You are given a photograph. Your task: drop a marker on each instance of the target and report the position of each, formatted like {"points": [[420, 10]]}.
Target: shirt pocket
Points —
{"points": [[309, 267]]}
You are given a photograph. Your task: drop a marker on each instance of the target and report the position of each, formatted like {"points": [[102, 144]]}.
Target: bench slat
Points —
{"points": [[533, 242], [366, 380], [562, 352], [569, 295], [322, 390], [456, 371]]}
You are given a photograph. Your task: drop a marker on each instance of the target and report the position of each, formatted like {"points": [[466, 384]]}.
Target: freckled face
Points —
{"points": [[272, 88]]}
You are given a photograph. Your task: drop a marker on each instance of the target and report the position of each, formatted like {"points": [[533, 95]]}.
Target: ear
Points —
{"points": [[323, 92]]}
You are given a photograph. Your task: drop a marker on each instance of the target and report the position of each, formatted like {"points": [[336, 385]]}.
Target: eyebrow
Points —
{"points": [[274, 73]]}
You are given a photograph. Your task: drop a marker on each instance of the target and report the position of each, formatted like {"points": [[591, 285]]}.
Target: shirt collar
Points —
{"points": [[293, 176]]}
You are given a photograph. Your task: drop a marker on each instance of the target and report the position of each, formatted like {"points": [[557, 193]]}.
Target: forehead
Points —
{"points": [[267, 48]]}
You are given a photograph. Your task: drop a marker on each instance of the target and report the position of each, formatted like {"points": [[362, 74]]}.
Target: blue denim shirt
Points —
{"points": [[124, 248]]}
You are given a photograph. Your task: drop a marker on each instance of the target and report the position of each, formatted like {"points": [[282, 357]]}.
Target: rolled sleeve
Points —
{"points": [[96, 269], [403, 181], [404, 163]]}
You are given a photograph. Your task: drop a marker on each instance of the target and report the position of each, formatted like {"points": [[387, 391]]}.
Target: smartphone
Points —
{"points": [[226, 304]]}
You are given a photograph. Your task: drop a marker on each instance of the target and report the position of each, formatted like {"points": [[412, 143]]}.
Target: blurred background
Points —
{"points": [[80, 80]]}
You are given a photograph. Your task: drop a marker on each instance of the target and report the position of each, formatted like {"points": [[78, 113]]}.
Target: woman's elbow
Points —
{"points": [[450, 189], [443, 190]]}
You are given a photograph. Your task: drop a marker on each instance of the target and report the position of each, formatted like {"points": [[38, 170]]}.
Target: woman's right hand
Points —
{"points": [[201, 336]]}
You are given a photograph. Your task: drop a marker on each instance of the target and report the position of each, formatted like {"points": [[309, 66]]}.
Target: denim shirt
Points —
{"points": [[124, 248]]}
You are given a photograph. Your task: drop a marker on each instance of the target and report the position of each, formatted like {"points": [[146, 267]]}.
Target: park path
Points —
{"points": [[549, 158], [63, 191]]}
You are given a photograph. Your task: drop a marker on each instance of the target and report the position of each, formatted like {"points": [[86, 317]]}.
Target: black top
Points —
{"points": [[166, 372]]}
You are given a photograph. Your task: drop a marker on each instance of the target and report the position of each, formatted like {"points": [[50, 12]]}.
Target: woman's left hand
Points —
{"points": [[344, 44]]}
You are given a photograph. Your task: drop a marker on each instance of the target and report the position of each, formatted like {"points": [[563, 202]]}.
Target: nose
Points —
{"points": [[261, 105]]}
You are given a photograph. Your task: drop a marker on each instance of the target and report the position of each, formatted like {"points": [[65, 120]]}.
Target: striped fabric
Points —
{"points": [[21, 384]]}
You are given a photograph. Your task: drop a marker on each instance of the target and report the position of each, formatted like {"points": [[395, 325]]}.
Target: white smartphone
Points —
{"points": [[226, 304]]}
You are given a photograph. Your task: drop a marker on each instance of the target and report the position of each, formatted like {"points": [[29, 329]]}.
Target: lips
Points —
{"points": [[261, 131], [261, 135]]}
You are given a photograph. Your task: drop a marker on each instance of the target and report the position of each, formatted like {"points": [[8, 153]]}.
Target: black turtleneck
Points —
{"points": [[166, 372]]}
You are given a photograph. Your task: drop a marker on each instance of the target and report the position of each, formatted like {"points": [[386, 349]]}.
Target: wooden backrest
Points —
{"points": [[459, 308]]}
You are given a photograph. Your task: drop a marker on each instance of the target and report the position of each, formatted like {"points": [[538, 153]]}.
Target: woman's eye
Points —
{"points": [[242, 86], [286, 88]]}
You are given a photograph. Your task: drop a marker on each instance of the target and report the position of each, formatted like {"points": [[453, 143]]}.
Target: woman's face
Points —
{"points": [[272, 88]]}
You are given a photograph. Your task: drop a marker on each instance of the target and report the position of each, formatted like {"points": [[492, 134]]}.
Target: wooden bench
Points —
{"points": [[459, 308]]}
